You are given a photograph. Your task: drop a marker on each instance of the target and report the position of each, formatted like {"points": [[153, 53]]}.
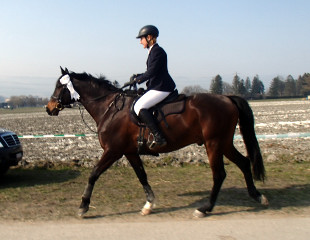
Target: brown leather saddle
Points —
{"points": [[173, 104]]}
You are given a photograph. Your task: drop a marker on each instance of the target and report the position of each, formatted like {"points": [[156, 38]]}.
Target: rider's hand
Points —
{"points": [[133, 78]]}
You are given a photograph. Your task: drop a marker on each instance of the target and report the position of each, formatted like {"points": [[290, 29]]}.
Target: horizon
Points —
{"points": [[48, 92]]}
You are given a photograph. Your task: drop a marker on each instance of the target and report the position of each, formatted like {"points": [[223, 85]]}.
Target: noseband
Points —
{"points": [[59, 105]]}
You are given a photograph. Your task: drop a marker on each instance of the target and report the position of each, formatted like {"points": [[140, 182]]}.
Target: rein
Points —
{"points": [[85, 123], [114, 102]]}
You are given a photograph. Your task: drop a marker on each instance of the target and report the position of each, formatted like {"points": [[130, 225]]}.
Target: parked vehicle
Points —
{"points": [[11, 151]]}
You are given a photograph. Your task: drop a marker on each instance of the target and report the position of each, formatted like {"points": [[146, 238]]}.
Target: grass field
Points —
{"points": [[53, 194]]}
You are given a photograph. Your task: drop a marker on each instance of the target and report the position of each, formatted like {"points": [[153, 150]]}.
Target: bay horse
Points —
{"points": [[208, 119]]}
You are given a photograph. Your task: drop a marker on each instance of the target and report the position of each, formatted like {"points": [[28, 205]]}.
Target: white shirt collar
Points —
{"points": [[151, 48]]}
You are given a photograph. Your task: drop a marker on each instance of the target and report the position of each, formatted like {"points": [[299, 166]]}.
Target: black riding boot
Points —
{"points": [[159, 140]]}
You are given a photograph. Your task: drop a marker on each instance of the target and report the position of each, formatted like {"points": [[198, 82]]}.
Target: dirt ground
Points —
{"points": [[249, 228]]}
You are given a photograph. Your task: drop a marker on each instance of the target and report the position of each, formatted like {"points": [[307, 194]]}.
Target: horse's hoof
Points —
{"points": [[147, 209], [264, 201], [198, 214], [82, 212]]}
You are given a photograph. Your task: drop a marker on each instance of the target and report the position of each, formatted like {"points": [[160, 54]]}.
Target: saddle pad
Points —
{"points": [[168, 109], [162, 110]]}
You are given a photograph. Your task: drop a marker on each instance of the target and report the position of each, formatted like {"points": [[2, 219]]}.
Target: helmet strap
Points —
{"points": [[149, 41]]}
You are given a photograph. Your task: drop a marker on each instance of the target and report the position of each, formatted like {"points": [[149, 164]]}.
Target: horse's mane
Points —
{"points": [[101, 81]]}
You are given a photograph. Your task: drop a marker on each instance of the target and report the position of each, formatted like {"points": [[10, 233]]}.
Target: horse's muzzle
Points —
{"points": [[53, 112]]}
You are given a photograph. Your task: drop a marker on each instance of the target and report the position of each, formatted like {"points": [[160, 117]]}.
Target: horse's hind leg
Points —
{"points": [[244, 164], [219, 175], [137, 165], [105, 162]]}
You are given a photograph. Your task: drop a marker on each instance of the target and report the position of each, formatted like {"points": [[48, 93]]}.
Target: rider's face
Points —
{"points": [[143, 41]]}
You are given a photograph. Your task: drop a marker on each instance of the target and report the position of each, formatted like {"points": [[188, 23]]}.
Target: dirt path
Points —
{"points": [[249, 227]]}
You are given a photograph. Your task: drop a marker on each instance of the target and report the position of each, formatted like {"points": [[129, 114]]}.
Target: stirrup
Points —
{"points": [[155, 143]]}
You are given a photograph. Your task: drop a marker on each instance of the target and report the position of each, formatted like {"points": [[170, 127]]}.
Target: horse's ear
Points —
{"points": [[62, 71], [67, 71]]}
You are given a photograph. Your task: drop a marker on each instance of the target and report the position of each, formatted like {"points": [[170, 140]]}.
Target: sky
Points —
{"points": [[202, 38]]}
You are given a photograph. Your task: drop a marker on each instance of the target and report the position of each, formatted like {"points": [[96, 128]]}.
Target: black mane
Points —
{"points": [[100, 82]]}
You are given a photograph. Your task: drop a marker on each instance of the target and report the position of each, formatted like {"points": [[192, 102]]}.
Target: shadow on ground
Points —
{"points": [[236, 200], [16, 178]]}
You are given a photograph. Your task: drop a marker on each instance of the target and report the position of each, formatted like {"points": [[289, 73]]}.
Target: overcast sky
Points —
{"points": [[202, 39]]}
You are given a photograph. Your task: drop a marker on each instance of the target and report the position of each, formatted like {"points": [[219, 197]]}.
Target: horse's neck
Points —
{"points": [[98, 105]]}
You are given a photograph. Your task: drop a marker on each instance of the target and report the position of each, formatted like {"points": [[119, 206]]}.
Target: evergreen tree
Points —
{"points": [[235, 84], [248, 87], [276, 87], [290, 86], [299, 86], [241, 88], [258, 87], [217, 85], [305, 81]]}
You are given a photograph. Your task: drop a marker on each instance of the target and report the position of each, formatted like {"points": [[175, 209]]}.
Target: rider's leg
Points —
{"points": [[148, 100], [151, 123]]}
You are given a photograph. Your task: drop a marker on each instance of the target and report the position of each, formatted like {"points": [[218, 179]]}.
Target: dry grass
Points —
{"points": [[52, 194]]}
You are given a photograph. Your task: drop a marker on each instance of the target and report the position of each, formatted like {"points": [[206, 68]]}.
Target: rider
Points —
{"points": [[159, 82]]}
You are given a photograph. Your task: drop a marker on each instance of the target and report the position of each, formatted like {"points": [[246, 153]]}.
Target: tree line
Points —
{"points": [[250, 89], [25, 101], [255, 89]]}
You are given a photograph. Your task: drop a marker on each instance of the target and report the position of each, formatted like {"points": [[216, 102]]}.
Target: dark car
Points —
{"points": [[11, 151]]}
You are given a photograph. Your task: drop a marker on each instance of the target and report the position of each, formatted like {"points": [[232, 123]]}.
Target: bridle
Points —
{"points": [[60, 106]]}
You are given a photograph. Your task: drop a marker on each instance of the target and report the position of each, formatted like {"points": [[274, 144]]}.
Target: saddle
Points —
{"points": [[174, 103]]}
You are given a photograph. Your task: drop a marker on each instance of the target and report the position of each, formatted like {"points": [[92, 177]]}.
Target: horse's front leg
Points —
{"points": [[137, 165], [105, 162]]}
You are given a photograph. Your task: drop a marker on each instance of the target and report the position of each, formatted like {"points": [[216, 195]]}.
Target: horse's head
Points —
{"points": [[62, 95]]}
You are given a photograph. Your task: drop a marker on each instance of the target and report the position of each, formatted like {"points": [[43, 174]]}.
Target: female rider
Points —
{"points": [[159, 83]]}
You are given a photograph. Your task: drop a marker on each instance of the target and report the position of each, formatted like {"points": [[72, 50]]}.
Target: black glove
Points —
{"points": [[133, 79]]}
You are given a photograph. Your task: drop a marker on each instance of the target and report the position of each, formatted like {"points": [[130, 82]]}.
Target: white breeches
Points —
{"points": [[149, 99]]}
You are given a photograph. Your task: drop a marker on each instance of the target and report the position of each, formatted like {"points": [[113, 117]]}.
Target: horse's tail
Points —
{"points": [[246, 124]]}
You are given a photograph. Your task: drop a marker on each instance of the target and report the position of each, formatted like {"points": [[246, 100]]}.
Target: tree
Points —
{"points": [[258, 87], [276, 87], [227, 88], [190, 90], [299, 86], [235, 84], [290, 86], [248, 85], [217, 85], [27, 101], [305, 82], [241, 88]]}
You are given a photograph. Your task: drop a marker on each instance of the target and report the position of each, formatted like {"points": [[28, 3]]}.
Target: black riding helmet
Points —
{"points": [[148, 30]]}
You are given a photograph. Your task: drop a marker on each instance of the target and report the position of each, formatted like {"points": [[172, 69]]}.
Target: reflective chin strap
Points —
{"points": [[65, 80]]}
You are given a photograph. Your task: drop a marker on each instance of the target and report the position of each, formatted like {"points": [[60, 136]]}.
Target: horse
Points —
{"points": [[208, 119]]}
